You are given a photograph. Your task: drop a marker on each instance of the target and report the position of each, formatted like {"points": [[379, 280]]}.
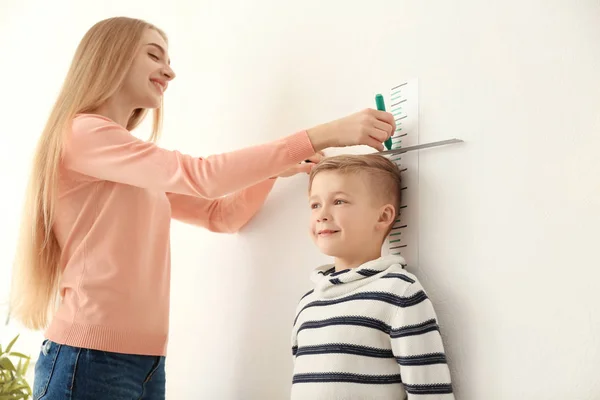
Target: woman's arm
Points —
{"points": [[225, 215], [102, 149]]}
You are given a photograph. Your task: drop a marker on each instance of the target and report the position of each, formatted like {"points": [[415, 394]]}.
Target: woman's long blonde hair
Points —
{"points": [[100, 64]]}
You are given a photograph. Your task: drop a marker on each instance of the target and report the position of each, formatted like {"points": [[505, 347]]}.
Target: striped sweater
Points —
{"points": [[368, 333]]}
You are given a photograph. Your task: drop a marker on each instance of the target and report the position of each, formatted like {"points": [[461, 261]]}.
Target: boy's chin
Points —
{"points": [[333, 252]]}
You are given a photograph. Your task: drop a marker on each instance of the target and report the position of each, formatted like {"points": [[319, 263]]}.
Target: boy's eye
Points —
{"points": [[338, 202], [314, 205]]}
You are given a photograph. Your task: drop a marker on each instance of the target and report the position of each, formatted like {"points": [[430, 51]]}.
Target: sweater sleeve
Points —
{"points": [[225, 215], [296, 325], [101, 149], [418, 348]]}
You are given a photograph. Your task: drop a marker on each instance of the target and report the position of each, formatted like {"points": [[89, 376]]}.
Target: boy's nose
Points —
{"points": [[323, 214]]}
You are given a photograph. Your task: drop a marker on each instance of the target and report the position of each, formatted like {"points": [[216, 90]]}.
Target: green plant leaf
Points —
{"points": [[25, 367], [5, 363], [20, 387], [13, 385], [9, 386], [11, 397], [10, 345], [16, 354]]}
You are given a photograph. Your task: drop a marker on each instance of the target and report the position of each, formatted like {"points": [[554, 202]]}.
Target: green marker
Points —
{"points": [[381, 107]]}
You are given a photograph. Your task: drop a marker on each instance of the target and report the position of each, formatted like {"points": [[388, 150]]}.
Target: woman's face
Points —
{"points": [[150, 73]]}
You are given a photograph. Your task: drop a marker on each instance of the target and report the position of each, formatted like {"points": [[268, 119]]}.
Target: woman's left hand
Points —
{"points": [[303, 167]]}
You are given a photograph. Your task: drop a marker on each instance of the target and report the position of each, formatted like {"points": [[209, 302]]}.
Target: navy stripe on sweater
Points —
{"points": [[329, 271], [414, 330], [422, 359], [347, 377], [436, 388], [367, 322], [368, 272], [344, 348], [338, 272], [399, 276], [400, 301], [349, 320], [309, 292]]}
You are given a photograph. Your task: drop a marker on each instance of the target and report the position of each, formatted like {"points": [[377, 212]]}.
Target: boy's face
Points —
{"points": [[347, 219]]}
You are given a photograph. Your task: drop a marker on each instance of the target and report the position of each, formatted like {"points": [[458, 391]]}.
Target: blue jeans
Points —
{"points": [[71, 373]]}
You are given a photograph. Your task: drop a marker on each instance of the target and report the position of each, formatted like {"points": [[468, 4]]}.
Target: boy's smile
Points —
{"points": [[327, 232]]}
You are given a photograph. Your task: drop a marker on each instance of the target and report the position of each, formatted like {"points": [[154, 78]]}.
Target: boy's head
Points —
{"points": [[354, 202]]}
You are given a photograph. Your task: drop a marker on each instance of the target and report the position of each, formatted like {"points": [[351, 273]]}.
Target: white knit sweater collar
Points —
{"points": [[329, 283]]}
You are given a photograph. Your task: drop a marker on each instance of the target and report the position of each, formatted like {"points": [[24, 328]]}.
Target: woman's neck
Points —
{"points": [[117, 109]]}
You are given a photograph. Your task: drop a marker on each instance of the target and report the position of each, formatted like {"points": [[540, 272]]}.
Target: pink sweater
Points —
{"points": [[116, 199]]}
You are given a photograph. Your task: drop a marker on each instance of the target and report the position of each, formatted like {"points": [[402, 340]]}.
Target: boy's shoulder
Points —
{"points": [[397, 280], [400, 273]]}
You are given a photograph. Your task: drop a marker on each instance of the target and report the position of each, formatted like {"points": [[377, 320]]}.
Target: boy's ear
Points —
{"points": [[387, 216]]}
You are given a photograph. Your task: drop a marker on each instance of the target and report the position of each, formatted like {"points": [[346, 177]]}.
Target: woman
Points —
{"points": [[94, 253]]}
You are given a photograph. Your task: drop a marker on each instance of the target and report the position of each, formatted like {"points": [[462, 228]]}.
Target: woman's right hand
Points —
{"points": [[368, 127]]}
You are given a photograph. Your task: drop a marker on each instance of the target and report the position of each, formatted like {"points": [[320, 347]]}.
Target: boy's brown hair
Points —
{"points": [[386, 177]]}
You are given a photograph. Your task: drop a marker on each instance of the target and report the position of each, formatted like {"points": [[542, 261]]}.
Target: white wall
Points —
{"points": [[507, 221]]}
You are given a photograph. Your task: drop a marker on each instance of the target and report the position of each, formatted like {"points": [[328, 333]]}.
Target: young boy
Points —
{"points": [[367, 330]]}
